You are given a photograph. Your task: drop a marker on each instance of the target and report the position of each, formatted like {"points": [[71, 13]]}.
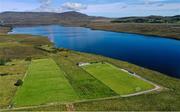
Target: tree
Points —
{"points": [[19, 82]]}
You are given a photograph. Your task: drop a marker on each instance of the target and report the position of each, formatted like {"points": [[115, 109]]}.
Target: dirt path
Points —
{"points": [[29, 107], [70, 107]]}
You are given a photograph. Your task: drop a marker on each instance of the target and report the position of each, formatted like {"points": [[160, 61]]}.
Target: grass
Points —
{"points": [[15, 70], [25, 39], [21, 46], [54, 107], [44, 83], [47, 48], [163, 30], [86, 86], [4, 30], [165, 100], [118, 80]]}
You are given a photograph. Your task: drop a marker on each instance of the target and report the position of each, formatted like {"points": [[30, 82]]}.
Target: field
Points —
{"points": [[21, 46], [14, 70], [85, 85], [118, 80], [44, 83]]}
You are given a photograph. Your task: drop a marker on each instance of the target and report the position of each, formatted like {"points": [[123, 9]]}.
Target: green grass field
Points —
{"points": [[118, 80], [44, 83], [85, 85]]}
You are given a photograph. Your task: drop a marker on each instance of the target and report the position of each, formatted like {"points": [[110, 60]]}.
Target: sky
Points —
{"points": [[107, 8]]}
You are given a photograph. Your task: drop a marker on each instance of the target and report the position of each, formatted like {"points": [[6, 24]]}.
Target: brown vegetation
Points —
{"points": [[164, 30]]}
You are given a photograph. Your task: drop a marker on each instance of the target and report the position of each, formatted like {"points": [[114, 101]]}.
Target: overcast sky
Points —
{"points": [[108, 8]]}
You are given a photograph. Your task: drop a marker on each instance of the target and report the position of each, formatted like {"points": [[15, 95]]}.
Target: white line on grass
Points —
{"points": [[157, 87]]}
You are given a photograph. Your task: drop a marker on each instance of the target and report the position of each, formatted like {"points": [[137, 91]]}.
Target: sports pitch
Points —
{"points": [[119, 81], [46, 82]]}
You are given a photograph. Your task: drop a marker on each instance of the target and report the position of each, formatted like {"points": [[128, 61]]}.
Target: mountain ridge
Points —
{"points": [[37, 18], [74, 18]]}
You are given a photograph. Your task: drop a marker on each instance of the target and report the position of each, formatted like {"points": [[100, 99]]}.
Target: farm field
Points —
{"points": [[118, 80], [44, 83]]}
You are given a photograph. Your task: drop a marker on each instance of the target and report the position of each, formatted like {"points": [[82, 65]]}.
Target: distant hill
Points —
{"points": [[44, 18], [74, 19], [149, 19]]}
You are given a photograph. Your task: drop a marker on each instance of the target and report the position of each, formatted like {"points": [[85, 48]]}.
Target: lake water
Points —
{"points": [[158, 54]]}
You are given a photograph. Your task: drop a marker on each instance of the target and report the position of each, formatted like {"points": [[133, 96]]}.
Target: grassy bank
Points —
{"points": [[21, 46]]}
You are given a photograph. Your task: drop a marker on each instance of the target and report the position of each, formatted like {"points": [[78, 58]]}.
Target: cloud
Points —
{"points": [[160, 5], [151, 2], [73, 6], [45, 6], [122, 9], [45, 2]]}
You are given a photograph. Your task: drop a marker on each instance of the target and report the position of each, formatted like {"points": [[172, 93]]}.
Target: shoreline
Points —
{"points": [[158, 30], [102, 29], [157, 37], [148, 35]]}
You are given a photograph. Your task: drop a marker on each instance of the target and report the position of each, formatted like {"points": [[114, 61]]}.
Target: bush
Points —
{"points": [[103, 62], [94, 62], [62, 49], [3, 74], [19, 82], [2, 61], [66, 56], [28, 59]]}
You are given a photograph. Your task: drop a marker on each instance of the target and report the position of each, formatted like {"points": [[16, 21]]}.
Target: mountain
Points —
{"points": [[44, 18], [149, 19], [73, 18]]}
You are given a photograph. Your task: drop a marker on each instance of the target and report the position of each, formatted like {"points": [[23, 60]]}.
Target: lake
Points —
{"points": [[151, 52]]}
